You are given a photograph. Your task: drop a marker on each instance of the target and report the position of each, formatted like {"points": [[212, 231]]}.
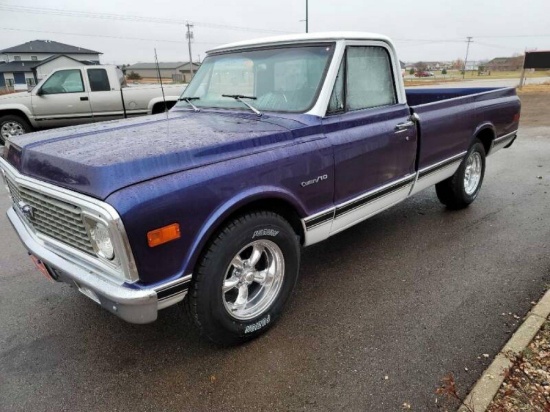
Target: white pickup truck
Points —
{"points": [[79, 95]]}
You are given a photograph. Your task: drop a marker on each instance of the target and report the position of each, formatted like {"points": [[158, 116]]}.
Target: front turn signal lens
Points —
{"points": [[163, 235]]}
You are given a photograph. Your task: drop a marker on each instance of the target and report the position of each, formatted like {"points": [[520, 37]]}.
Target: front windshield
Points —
{"points": [[285, 79]]}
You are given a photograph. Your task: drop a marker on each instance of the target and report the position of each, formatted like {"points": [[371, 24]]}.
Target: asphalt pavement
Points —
{"points": [[381, 313]]}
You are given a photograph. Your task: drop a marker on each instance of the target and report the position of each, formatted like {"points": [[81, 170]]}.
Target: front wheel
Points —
{"points": [[244, 278], [462, 188], [12, 125]]}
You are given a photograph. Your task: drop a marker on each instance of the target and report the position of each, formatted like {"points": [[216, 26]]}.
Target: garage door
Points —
{"points": [[2, 81]]}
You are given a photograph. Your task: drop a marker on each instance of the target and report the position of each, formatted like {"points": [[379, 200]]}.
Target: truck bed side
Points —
{"points": [[449, 119]]}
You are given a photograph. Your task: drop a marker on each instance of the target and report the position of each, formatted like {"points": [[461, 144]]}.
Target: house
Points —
{"points": [[173, 70], [26, 64], [505, 64]]}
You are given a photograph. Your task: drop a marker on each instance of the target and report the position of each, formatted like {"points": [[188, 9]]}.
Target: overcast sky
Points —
{"points": [[422, 29]]}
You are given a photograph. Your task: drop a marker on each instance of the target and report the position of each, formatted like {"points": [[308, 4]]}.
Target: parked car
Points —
{"points": [[424, 74], [78, 95], [276, 144]]}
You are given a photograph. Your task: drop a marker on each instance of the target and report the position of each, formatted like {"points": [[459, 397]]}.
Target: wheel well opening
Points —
{"points": [[279, 206], [486, 137], [160, 107], [14, 112]]}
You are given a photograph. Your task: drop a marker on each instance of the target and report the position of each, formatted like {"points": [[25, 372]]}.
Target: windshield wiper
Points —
{"points": [[188, 101], [240, 98]]}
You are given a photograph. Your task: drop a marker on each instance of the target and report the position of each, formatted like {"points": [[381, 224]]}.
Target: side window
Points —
{"points": [[336, 103], [99, 81], [369, 81], [64, 81]]}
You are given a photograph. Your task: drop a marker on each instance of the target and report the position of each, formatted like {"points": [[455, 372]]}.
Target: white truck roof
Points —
{"points": [[302, 37]]}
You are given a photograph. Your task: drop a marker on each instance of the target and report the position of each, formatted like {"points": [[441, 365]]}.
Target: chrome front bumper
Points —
{"points": [[132, 305]]}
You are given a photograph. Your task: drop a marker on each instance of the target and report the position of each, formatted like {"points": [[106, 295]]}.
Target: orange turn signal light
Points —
{"points": [[163, 235]]}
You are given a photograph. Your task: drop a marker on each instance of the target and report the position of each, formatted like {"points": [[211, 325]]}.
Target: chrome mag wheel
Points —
{"points": [[10, 129], [253, 279], [472, 174]]}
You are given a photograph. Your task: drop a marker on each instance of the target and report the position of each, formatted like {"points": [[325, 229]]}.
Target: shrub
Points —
{"points": [[133, 76]]}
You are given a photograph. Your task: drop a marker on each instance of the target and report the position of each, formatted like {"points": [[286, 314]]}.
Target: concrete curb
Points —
{"points": [[488, 385]]}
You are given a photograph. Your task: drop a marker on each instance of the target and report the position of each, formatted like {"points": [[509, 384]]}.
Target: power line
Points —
{"points": [[105, 36], [496, 46], [124, 17]]}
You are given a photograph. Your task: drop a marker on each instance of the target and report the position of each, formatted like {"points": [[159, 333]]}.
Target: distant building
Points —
{"points": [[505, 64], [24, 65], [177, 70]]}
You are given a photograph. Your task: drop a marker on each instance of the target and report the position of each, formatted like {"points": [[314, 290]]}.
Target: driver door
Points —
{"points": [[62, 100]]}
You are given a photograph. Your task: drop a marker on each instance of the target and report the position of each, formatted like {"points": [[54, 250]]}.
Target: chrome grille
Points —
{"points": [[52, 217]]}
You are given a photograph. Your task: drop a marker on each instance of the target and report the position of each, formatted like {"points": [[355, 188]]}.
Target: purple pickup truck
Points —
{"points": [[276, 144]]}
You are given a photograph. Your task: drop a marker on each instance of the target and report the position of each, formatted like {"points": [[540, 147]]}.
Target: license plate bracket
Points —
{"points": [[42, 268]]}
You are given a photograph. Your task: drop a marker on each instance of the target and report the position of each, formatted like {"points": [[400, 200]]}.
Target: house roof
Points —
{"points": [[505, 60], [28, 66], [17, 67], [162, 65], [48, 46], [49, 59]]}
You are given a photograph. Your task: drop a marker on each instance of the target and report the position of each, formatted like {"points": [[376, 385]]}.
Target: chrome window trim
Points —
{"points": [[320, 108], [124, 269]]}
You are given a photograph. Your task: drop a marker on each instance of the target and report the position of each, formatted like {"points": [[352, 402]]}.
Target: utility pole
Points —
{"points": [[189, 36], [307, 17], [469, 40]]}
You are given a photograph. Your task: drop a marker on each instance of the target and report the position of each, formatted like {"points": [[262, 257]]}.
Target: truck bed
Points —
{"points": [[420, 96], [449, 118]]}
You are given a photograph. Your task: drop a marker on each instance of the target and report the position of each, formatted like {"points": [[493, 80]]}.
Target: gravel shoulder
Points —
{"points": [[526, 386]]}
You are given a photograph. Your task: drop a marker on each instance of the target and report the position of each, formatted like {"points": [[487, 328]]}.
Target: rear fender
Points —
{"points": [[486, 132]]}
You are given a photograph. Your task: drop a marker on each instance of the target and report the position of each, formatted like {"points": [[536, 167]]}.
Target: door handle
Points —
{"points": [[403, 126], [83, 99]]}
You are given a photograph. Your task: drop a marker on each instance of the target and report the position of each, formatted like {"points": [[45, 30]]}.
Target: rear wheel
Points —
{"points": [[12, 125], [244, 278], [462, 188]]}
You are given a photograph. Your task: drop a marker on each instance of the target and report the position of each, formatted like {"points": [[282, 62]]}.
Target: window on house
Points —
{"points": [[34, 58], [9, 82], [30, 82], [17, 58]]}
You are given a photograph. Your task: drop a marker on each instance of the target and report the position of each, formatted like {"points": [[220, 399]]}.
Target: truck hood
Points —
{"points": [[14, 97], [102, 158]]}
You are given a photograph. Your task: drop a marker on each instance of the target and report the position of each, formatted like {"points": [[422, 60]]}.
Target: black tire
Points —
{"points": [[452, 192], [210, 307], [13, 118]]}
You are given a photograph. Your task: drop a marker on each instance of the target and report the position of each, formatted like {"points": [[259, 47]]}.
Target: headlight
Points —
{"points": [[101, 240]]}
